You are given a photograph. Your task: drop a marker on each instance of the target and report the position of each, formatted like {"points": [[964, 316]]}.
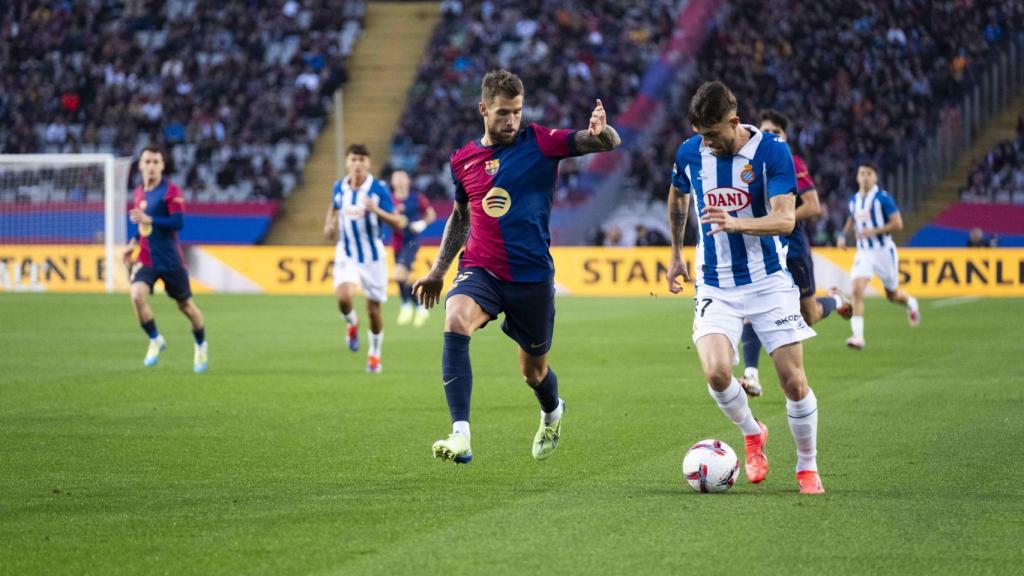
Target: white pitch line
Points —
{"points": [[954, 301]]}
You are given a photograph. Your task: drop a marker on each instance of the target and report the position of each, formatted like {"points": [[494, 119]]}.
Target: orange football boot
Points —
{"points": [[810, 482], [756, 462]]}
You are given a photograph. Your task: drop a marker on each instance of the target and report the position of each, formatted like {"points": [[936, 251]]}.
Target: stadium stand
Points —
{"points": [[567, 53], [237, 92], [860, 80], [999, 176]]}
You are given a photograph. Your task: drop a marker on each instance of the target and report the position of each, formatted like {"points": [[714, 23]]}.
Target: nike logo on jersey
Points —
{"points": [[468, 164], [447, 382]]}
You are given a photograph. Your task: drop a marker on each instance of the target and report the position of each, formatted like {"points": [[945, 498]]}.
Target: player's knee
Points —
{"points": [[534, 374], [719, 375], [458, 323], [810, 310]]}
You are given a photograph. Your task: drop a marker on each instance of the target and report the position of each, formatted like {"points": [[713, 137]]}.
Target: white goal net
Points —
{"points": [[63, 221]]}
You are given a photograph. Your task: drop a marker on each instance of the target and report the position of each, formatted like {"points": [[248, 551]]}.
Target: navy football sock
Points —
{"points": [[751, 346], [547, 392], [405, 289], [457, 375], [200, 335], [150, 329], [828, 304]]}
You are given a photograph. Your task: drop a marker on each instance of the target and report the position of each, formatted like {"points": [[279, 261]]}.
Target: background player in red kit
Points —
{"points": [[503, 190], [158, 209]]}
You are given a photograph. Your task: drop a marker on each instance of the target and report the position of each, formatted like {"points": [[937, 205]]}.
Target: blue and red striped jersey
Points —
{"points": [[509, 190], [158, 241]]}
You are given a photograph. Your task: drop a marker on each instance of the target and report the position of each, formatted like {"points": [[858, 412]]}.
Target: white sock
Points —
{"points": [[351, 317], [376, 340], [803, 423], [857, 325], [461, 427], [912, 303], [554, 416], [733, 402], [839, 300], [750, 372]]}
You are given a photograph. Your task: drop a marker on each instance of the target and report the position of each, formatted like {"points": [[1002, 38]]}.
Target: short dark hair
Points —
{"points": [[153, 148], [711, 102], [500, 82], [358, 150], [868, 164], [775, 117]]}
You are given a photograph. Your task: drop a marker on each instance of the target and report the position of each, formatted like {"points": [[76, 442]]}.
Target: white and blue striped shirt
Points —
{"points": [[873, 210], [743, 184], [360, 229]]}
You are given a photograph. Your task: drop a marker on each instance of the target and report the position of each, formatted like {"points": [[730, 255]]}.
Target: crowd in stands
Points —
{"points": [[999, 176], [237, 92], [568, 53], [860, 80]]}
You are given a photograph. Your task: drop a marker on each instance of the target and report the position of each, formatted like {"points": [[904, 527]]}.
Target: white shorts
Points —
{"points": [[772, 305], [372, 276], [880, 261]]}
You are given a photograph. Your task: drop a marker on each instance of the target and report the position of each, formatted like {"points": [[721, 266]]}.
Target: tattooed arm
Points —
{"points": [[678, 209], [428, 288], [599, 136]]}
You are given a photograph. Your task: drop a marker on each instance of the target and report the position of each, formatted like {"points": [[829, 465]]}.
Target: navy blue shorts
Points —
{"points": [[175, 281], [407, 253], [529, 307], [802, 269]]}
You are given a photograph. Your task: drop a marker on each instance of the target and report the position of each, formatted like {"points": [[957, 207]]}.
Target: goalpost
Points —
{"points": [[61, 200]]}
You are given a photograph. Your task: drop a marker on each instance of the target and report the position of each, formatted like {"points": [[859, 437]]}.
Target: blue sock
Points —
{"points": [[150, 329], [547, 392], [457, 374], [405, 289], [751, 346], [828, 304], [200, 335]]}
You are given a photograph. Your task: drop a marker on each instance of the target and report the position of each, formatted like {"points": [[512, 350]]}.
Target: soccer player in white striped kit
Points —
{"points": [[743, 183], [359, 204], [874, 215]]}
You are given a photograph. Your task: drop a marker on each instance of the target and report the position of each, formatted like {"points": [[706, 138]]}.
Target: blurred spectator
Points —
{"points": [[978, 239], [645, 237], [999, 176], [232, 89]]}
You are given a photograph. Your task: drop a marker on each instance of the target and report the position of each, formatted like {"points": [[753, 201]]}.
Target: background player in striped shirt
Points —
{"points": [[798, 259], [504, 183], [359, 204], [158, 209], [743, 184], [874, 216], [406, 243]]}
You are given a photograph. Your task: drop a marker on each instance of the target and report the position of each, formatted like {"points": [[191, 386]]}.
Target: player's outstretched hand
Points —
{"points": [[428, 290], [676, 269], [598, 120]]}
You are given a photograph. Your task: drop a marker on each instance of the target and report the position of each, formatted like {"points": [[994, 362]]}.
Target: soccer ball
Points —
{"points": [[710, 466]]}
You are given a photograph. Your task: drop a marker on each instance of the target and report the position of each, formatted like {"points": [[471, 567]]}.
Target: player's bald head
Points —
{"points": [[711, 104]]}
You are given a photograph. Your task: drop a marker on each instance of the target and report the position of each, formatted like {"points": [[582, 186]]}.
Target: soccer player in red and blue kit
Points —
{"points": [[504, 184], [406, 243], [158, 208]]}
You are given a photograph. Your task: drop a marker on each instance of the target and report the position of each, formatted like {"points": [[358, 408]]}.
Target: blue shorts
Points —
{"points": [[176, 282], [407, 253], [529, 307], [802, 269]]}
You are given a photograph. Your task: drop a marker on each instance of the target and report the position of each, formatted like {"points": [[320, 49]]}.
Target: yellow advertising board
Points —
{"points": [[583, 271]]}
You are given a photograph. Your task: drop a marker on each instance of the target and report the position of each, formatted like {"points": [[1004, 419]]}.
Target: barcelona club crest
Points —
{"points": [[491, 166], [748, 174]]}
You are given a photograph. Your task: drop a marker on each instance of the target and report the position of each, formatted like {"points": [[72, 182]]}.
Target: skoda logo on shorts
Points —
{"points": [[497, 202]]}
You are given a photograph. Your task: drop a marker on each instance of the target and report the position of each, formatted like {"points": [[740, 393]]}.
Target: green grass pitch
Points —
{"points": [[286, 458]]}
